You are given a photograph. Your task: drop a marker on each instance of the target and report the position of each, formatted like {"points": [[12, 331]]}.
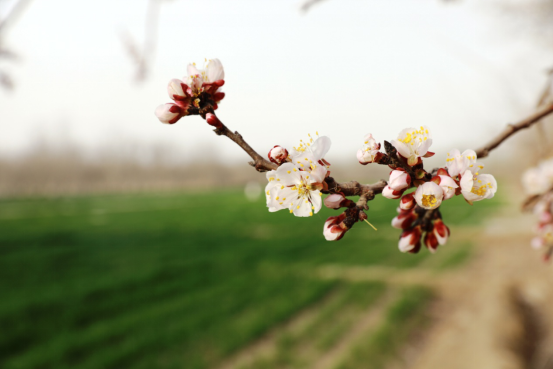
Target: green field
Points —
{"points": [[187, 280]]}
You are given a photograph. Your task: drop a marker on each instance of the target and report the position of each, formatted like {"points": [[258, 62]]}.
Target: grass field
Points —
{"points": [[188, 280]]}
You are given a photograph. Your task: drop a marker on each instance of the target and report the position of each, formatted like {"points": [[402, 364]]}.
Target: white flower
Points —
{"points": [[476, 186], [214, 70], [271, 191], [413, 144], [429, 195], [196, 78], [296, 190], [312, 152], [448, 185], [206, 80], [370, 150], [168, 113], [458, 163]]}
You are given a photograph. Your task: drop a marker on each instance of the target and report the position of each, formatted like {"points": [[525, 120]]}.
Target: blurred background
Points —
{"points": [[126, 243]]}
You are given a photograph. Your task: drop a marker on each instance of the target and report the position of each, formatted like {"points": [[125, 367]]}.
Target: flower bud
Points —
{"points": [[399, 180], [212, 120], [407, 202], [177, 89], [278, 154], [409, 241], [431, 241], [545, 217], [441, 231], [404, 220], [168, 113], [334, 201], [443, 172], [391, 194], [334, 229]]}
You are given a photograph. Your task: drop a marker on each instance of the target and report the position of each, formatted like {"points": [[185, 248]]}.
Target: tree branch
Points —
{"points": [[512, 128], [354, 188], [259, 163]]}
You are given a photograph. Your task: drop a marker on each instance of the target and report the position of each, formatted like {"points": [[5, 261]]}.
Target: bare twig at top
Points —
{"points": [[308, 4], [513, 128]]}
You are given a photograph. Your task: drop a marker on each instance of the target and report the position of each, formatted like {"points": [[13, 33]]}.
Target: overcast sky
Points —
{"points": [[344, 69]]}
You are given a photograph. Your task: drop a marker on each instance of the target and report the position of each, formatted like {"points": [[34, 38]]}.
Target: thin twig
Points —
{"points": [[259, 163], [308, 4], [512, 128]]}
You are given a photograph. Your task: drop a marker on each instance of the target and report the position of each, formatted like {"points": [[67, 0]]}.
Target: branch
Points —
{"points": [[354, 188], [259, 163], [16, 10], [512, 129]]}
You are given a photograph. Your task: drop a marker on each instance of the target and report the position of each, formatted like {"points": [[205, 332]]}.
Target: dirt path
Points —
{"points": [[497, 312]]}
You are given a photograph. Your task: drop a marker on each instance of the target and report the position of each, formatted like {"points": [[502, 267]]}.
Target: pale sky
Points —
{"points": [[347, 68]]}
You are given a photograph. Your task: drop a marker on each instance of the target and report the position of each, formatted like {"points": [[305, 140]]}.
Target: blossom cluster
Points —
{"points": [[539, 179], [538, 182], [418, 210], [198, 93]]}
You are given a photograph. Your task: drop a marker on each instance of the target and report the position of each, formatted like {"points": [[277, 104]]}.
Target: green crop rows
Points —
{"points": [[186, 280]]}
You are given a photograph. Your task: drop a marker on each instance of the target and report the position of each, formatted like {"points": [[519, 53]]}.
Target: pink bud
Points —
{"points": [[404, 220], [407, 202], [219, 82], [442, 172], [390, 193], [334, 201], [399, 180], [334, 229], [212, 120], [278, 154], [441, 231], [168, 113], [177, 89], [431, 241], [409, 241], [537, 242]]}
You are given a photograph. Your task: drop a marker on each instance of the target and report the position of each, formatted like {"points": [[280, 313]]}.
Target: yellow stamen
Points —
{"points": [[429, 200]]}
